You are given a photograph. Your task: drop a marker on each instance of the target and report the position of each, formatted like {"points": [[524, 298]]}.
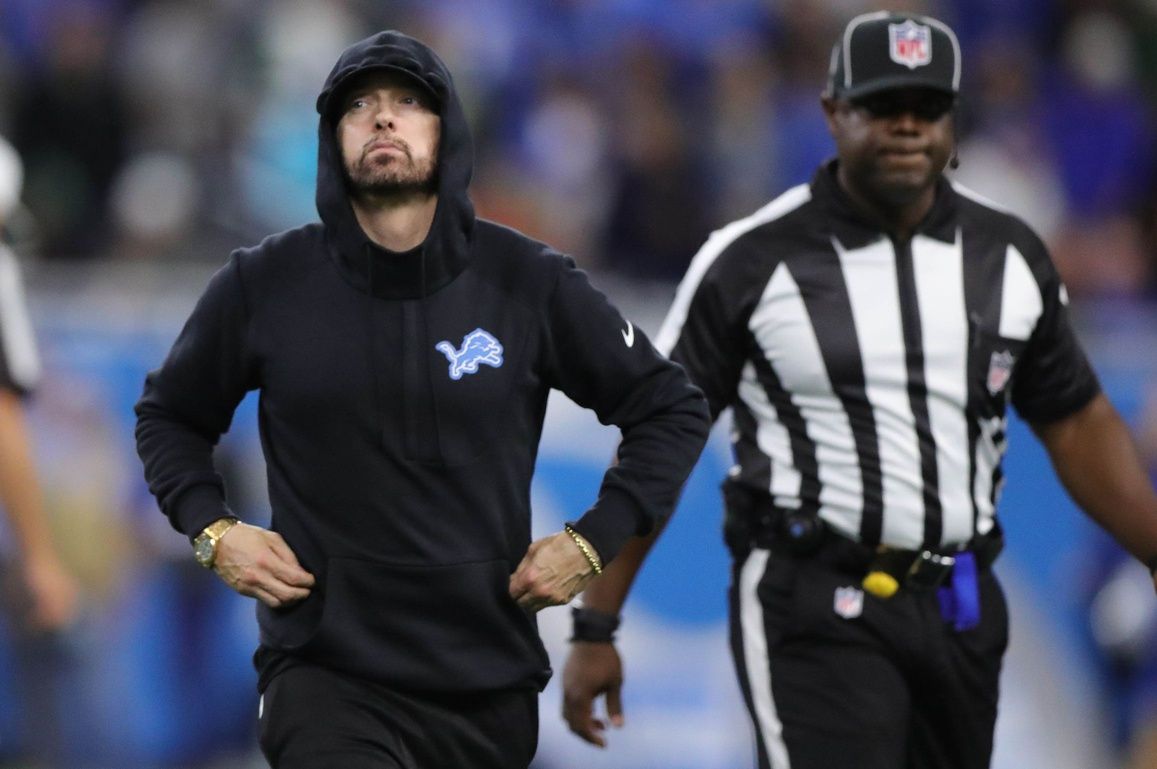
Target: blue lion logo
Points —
{"points": [[478, 347]]}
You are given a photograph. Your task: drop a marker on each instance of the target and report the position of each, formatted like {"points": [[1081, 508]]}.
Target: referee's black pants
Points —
{"points": [[892, 687], [316, 718]]}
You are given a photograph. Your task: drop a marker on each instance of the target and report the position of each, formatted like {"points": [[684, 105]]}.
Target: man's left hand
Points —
{"points": [[553, 571]]}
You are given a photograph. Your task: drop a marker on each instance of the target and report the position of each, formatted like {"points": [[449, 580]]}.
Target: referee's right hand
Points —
{"points": [[592, 669], [258, 563]]}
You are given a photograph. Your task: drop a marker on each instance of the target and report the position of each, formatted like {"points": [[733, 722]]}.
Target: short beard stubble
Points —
{"points": [[398, 177]]}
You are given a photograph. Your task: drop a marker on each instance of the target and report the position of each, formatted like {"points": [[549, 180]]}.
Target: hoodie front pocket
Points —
{"points": [[438, 628]]}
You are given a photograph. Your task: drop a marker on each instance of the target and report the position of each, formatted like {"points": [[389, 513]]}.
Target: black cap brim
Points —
{"points": [[894, 84]]}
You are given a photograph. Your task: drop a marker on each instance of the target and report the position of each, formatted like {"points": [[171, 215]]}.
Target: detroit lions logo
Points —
{"points": [[478, 347]]}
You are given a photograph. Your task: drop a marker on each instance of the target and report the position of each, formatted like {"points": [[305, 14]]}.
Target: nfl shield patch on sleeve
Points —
{"points": [[999, 371]]}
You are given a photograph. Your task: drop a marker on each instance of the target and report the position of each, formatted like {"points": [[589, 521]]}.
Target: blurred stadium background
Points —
{"points": [[159, 134]]}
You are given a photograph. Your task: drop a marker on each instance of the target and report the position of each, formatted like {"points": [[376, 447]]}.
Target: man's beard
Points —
{"points": [[400, 175]]}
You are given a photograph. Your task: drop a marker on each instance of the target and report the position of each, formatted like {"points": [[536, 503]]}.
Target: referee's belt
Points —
{"points": [[805, 535]]}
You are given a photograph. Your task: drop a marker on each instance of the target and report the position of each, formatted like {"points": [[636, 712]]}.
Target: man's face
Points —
{"points": [[388, 133], [892, 145]]}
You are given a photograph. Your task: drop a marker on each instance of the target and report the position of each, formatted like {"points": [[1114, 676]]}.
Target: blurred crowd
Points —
{"points": [[622, 131]]}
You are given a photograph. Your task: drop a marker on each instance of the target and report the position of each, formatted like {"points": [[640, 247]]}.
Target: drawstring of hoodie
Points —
{"points": [[426, 352]]}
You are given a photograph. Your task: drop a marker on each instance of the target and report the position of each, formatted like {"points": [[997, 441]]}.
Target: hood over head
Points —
{"points": [[446, 250]]}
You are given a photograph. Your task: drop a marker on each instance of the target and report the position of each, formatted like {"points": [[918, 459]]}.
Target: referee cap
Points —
{"points": [[883, 50]]}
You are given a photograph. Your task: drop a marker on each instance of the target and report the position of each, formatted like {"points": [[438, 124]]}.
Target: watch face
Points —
{"points": [[203, 550]]}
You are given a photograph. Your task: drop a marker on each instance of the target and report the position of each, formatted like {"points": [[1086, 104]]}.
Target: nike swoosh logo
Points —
{"points": [[629, 335]]}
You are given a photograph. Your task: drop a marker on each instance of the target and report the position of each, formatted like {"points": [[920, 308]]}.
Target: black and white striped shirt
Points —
{"points": [[869, 378], [19, 362]]}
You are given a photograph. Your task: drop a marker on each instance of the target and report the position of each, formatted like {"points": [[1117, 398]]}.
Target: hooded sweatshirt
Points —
{"points": [[402, 398]]}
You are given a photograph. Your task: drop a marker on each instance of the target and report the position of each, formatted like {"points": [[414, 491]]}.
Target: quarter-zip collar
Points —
{"points": [[446, 250]]}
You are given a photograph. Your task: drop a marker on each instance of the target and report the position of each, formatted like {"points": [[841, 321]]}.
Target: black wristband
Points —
{"points": [[593, 626]]}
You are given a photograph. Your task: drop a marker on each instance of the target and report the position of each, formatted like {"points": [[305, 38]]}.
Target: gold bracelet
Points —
{"points": [[588, 551]]}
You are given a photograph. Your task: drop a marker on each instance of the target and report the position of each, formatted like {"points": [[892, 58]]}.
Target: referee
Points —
{"points": [[35, 581], [39, 598], [869, 330]]}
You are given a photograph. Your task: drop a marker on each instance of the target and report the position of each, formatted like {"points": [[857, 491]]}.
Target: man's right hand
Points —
{"points": [[258, 563], [592, 669]]}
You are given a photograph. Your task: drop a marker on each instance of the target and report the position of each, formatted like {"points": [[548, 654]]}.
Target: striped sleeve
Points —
{"points": [[705, 329], [19, 361], [1054, 378]]}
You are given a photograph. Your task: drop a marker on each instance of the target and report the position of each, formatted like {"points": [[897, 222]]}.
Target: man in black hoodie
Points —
{"points": [[404, 351]]}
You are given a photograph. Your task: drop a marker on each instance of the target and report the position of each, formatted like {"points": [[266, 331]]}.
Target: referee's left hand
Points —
{"points": [[593, 670], [552, 573]]}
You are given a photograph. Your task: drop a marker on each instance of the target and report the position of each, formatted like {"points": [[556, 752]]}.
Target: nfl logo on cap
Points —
{"points": [[910, 44], [883, 51]]}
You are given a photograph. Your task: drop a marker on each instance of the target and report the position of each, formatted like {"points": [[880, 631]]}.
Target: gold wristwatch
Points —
{"points": [[205, 544]]}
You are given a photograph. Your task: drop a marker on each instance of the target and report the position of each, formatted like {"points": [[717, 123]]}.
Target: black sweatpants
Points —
{"points": [[878, 684], [316, 718]]}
